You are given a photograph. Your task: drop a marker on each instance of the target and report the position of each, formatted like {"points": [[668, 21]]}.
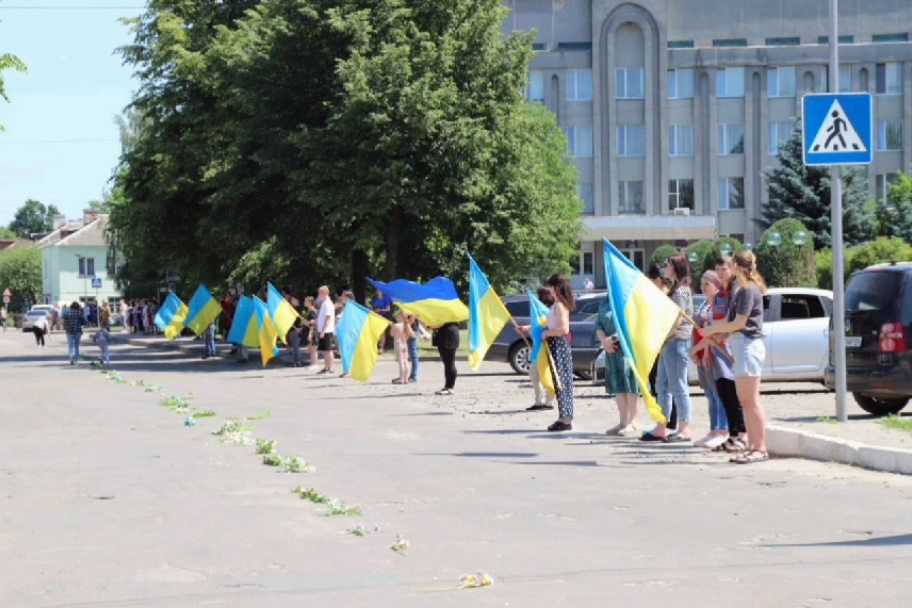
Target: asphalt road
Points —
{"points": [[108, 500]]}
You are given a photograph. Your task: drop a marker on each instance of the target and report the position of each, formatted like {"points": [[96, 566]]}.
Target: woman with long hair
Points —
{"points": [[671, 380], [559, 347], [745, 326]]}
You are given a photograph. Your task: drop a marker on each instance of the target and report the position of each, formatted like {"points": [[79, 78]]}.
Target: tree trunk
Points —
{"points": [[393, 240], [359, 275]]}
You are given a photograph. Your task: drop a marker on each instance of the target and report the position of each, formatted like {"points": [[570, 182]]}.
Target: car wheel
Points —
{"points": [[519, 358], [880, 407]]}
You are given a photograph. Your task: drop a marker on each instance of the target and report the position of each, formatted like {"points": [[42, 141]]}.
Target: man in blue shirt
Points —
{"points": [[383, 306]]}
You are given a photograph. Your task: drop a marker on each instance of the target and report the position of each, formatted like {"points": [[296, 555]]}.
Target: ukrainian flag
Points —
{"points": [[644, 316], [436, 302], [172, 316], [283, 313], [244, 329], [204, 309], [359, 331], [267, 332], [487, 315], [540, 357]]}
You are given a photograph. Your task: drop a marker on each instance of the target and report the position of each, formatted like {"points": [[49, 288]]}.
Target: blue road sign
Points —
{"points": [[838, 129], [96, 283]]}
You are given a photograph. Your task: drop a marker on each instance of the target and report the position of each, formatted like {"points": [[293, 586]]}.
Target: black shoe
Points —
{"points": [[539, 407], [560, 426]]}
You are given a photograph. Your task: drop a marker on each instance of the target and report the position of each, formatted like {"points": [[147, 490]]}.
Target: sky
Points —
{"points": [[61, 144]]}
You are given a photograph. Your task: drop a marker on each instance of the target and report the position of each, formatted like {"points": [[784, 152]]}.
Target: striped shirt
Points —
{"points": [[683, 297]]}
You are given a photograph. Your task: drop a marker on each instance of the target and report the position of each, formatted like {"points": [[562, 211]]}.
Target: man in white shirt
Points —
{"points": [[326, 327]]}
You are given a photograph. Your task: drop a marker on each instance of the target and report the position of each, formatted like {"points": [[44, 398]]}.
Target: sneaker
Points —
{"points": [[716, 441], [311, 368], [702, 443]]}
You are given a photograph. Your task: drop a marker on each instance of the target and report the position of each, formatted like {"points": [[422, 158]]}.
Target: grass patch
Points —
{"points": [[313, 496], [339, 508], [292, 464], [262, 416], [828, 420], [265, 447], [897, 424]]}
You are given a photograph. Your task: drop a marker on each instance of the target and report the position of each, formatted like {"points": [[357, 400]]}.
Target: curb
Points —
{"points": [[782, 441]]}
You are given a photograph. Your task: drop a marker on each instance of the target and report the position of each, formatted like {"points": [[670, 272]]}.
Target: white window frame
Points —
{"points": [[883, 183], [622, 82], [775, 79], [624, 133], [681, 83], [587, 195], [577, 83], [678, 134], [574, 138], [728, 138], [883, 132], [674, 193], [85, 266], [724, 86], [624, 198], [536, 88], [725, 194], [776, 135], [891, 86]]}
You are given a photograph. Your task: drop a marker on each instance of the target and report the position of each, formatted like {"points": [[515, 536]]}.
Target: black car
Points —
{"points": [[878, 324]]}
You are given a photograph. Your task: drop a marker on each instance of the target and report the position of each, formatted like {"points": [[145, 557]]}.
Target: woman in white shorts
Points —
{"points": [[745, 324]]}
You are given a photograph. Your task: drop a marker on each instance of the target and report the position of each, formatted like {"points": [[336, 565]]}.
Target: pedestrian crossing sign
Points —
{"points": [[838, 129]]}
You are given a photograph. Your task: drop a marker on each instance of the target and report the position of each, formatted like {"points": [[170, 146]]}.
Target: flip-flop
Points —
{"points": [[677, 439], [650, 438], [751, 457], [539, 407]]}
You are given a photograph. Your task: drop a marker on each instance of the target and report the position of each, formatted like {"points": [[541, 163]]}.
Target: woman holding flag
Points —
{"points": [[619, 378], [559, 347]]}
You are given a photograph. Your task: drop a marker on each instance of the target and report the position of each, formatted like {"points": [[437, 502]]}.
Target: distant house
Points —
{"points": [[74, 258], [12, 245]]}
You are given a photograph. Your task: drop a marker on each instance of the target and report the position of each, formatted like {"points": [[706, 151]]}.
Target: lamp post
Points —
{"points": [[748, 247], [725, 250], [800, 239], [774, 239]]}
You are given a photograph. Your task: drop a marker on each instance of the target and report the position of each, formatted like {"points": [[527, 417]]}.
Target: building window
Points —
{"points": [[884, 181], [842, 39], [731, 139], [880, 38], [782, 82], [730, 82], [889, 136], [579, 85], [580, 139], [630, 83], [681, 84], [730, 42], [681, 44], [780, 132], [792, 41], [87, 267], [632, 140], [536, 90], [630, 197], [681, 194], [845, 78], [539, 46], [587, 263], [574, 46], [681, 140], [889, 79], [731, 193], [587, 194]]}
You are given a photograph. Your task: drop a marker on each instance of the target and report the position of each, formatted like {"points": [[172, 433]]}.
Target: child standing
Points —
{"points": [[402, 332], [103, 340]]}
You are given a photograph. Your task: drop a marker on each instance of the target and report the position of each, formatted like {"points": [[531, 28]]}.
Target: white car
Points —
{"points": [[28, 320], [796, 332]]}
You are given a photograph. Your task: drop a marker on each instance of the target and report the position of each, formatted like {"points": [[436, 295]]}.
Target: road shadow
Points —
{"points": [[481, 454], [880, 541]]}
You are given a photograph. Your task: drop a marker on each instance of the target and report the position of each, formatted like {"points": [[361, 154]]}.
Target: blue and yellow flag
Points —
{"points": [[267, 332], [172, 316], [436, 302], [540, 357], [283, 313], [644, 316], [487, 315], [244, 328], [359, 331], [204, 309]]}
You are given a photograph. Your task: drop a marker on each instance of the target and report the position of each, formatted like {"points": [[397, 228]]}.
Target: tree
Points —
{"points": [[881, 251], [20, 272], [786, 264], [803, 193], [33, 218], [344, 138], [708, 254], [661, 255], [8, 62], [7, 235], [894, 216]]}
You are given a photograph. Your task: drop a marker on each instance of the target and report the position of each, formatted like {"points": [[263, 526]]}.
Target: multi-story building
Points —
{"points": [[674, 108]]}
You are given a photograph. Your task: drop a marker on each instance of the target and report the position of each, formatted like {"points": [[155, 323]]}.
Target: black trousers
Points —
{"points": [[39, 336], [448, 356], [733, 409]]}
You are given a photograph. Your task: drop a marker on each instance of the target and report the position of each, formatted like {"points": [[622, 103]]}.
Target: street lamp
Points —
{"points": [[725, 250], [748, 247], [693, 258], [800, 239], [774, 239]]}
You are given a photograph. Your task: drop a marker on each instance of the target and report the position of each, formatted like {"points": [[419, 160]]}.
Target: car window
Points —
{"points": [[872, 290], [518, 308], [766, 307], [800, 307], [589, 308]]}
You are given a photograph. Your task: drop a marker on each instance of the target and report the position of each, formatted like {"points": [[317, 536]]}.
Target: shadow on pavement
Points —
{"points": [[881, 541]]}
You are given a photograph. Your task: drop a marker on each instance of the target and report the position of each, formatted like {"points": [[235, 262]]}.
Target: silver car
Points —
{"points": [[28, 320]]}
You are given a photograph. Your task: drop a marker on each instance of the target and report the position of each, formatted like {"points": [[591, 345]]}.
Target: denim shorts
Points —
{"points": [[749, 354]]}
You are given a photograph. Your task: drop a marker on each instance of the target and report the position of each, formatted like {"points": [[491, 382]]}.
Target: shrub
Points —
{"points": [[786, 264]]}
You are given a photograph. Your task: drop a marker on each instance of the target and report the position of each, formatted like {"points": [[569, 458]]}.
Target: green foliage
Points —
{"points": [[8, 62], [787, 265], [881, 251], [803, 193], [8, 235], [20, 272], [824, 261], [322, 141], [662, 254], [894, 216], [33, 217]]}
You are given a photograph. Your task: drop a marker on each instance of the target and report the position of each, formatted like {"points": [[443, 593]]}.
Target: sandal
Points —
{"points": [[539, 407], [731, 447], [445, 391], [560, 426], [398, 381], [751, 457]]}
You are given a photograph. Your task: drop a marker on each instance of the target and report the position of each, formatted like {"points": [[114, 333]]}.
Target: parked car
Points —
{"points": [[877, 328], [795, 331], [28, 320], [512, 348]]}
